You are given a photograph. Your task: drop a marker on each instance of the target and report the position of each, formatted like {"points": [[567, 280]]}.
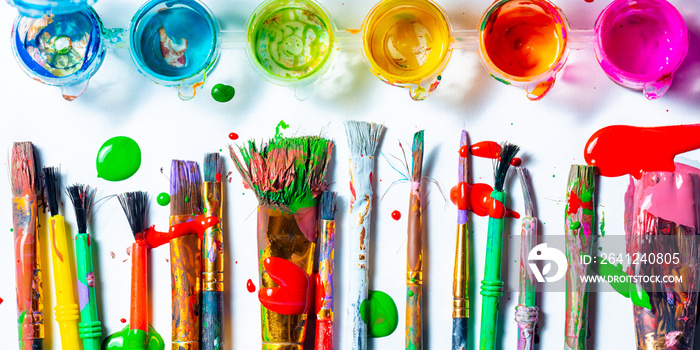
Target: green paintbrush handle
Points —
{"points": [[89, 328], [491, 285]]}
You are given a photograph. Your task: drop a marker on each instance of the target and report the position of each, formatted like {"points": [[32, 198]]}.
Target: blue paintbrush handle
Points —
{"points": [[459, 333], [212, 320]]}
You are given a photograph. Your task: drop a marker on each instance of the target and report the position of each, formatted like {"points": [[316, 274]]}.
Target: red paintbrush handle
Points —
{"points": [[324, 334], [139, 286]]}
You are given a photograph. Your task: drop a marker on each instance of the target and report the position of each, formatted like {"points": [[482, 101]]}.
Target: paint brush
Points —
{"points": [[28, 276], [580, 225], [67, 311], [287, 176], [185, 255], [527, 312], [414, 275], [324, 282], [213, 257], [89, 328], [460, 277], [363, 141], [492, 285]]}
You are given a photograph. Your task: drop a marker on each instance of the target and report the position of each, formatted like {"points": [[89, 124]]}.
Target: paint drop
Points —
{"points": [[380, 314], [1, 301], [235, 262], [112, 255], [233, 136], [11, 229], [396, 215], [218, 177], [516, 162], [222, 92], [250, 286], [128, 251], [118, 159], [575, 225], [512, 214], [410, 293], [163, 199], [293, 295], [123, 320], [167, 260], [486, 149], [464, 151], [281, 125], [459, 195], [622, 149]]}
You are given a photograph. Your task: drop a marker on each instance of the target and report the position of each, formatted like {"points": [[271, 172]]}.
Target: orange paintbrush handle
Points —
{"points": [[139, 286]]}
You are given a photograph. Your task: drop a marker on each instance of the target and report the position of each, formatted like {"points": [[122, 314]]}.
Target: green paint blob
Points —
{"points": [[134, 339], [586, 196], [163, 199], [628, 290], [602, 225], [187, 199], [410, 293], [11, 229], [380, 314], [281, 125], [118, 159], [222, 92], [413, 279], [575, 225]]}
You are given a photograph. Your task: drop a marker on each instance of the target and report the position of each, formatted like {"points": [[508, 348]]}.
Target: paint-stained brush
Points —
{"points": [[492, 285], [324, 282], [363, 141], [185, 255], [414, 275], [67, 311], [28, 274], [213, 257], [460, 277], [89, 328], [527, 312]]}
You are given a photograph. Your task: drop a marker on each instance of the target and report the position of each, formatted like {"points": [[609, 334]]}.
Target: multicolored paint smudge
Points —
{"points": [[118, 159]]}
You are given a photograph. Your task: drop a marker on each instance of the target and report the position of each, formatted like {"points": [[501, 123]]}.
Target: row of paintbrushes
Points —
{"points": [[191, 236]]}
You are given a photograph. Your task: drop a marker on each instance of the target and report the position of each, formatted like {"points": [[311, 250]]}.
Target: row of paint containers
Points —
{"points": [[406, 43]]}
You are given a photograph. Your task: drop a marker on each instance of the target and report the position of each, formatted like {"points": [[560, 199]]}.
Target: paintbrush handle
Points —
{"points": [[213, 270], [414, 276], [324, 312], [30, 301], [139, 287], [185, 279], [89, 328], [526, 312], [491, 285], [460, 291], [460, 326], [67, 312]]}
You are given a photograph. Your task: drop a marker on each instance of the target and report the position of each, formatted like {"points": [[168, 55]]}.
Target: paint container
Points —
{"points": [[60, 50], [175, 43], [524, 43], [291, 43], [38, 8], [285, 235], [641, 43], [406, 43]]}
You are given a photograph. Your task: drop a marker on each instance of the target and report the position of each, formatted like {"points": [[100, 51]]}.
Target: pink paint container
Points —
{"points": [[641, 43]]}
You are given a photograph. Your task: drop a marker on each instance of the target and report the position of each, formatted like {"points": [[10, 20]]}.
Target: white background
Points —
{"points": [[551, 132]]}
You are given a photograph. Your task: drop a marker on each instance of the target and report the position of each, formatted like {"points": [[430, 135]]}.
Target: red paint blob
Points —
{"points": [[293, 296], [218, 177], [320, 294], [516, 162], [233, 136], [573, 204], [480, 198], [1, 300], [197, 226], [371, 174], [486, 149], [250, 286], [622, 149], [512, 214], [496, 209], [464, 151], [459, 195], [396, 215], [123, 320]]}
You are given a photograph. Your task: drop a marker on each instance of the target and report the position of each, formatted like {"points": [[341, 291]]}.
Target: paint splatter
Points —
{"points": [[486, 149], [1, 301], [293, 295], [464, 151], [223, 93], [11, 229], [575, 225], [112, 255], [149, 340], [622, 149], [281, 125], [477, 198], [233, 136], [118, 159], [615, 276], [163, 199], [516, 162], [123, 320], [128, 251], [602, 225], [90, 279], [380, 314], [396, 215], [250, 286]]}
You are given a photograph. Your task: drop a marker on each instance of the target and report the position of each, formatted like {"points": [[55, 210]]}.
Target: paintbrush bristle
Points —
{"points": [[508, 152], [328, 200], [23, 169], [417, 168], [135, 205], [82, 197], [185, 188], [363, 137], [288, 173], [526, 184], [212, 167], [581, 178], [52, 180]]}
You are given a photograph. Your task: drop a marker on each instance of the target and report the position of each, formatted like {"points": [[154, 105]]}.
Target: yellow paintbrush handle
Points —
{"points": [[67, 312]]}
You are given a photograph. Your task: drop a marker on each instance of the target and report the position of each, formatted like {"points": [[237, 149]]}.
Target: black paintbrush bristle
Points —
{"points": [[135, 205], [82, 197], [185, 188], [328, 200], [23, 171], [212, 167], [52, 177], [508, 152]]}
